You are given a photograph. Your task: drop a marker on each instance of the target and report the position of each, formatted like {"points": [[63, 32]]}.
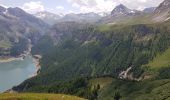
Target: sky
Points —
{"points": [[77, 6]]}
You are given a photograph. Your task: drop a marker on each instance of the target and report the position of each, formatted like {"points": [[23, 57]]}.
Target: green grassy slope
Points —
{"points": [[161, 60], [129, 90], [36, 96], [103, 82]]}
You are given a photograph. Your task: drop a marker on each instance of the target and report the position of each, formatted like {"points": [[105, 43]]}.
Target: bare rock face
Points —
{"points": [[163, 7], [162, 12]]}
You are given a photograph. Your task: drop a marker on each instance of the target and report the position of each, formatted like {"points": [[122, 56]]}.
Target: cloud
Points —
{"points": [[98, 6], [143, 1], [75, 5], [84, 2], [60, 8], [33, 6], [140, 8]]}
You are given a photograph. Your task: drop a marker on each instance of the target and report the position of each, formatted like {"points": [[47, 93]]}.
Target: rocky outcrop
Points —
{"points": [[162, 12]]}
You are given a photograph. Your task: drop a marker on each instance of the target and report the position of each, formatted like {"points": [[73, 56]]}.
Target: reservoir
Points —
{"points": [[15, 72]]}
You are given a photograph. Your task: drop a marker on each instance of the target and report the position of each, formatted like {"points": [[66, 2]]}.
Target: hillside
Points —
{"points": [[36, 96], [161, 60], [124, 55], [81, 50], [17, 30], [130, 90]]}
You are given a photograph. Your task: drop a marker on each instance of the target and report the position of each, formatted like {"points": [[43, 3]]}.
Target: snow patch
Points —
{"points": [[5, 12]]}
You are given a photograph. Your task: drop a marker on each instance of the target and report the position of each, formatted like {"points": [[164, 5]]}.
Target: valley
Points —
{"points": [[121, 55]]}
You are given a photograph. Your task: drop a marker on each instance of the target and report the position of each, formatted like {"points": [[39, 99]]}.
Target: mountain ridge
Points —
{"points": [[48, 17]]}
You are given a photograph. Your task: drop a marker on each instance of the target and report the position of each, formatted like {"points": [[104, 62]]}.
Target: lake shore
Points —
{"points": [[9, 59], [36, 61]]}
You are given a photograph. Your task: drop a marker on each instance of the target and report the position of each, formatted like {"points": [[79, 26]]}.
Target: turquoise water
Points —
{"points": [[14, 72]]}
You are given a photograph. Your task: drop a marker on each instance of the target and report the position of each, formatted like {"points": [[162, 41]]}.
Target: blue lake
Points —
{"points": [[15, 72]]}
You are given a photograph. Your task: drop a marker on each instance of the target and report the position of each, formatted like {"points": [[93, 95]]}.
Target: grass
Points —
{"points": [[103, 28], [145, 90], [161, 60], [37, 96], [103, 82], [5, 44]]}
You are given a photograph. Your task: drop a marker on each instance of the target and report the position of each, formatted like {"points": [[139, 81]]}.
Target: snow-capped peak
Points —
{"points": [[46, 14]]}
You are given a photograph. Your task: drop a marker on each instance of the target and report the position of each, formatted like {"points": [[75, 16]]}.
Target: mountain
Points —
{"points": [[126, 56], [22, 18], [84, 52], [83, 17], [149, 10], [123, 10], [162, 12], [18, 26], [48, 17], [120, 14], [123, 15], [51, 18], [27, 19]]}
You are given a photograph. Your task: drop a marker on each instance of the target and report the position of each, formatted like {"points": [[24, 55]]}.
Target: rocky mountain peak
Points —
{"points": [[121, 6], [122, 10]]}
